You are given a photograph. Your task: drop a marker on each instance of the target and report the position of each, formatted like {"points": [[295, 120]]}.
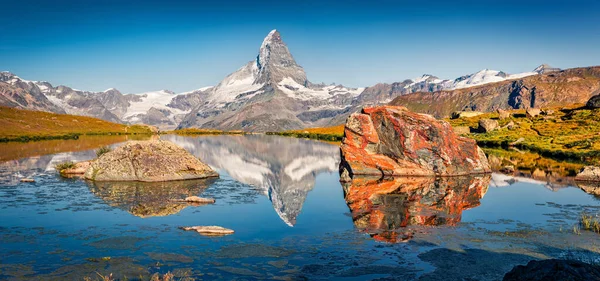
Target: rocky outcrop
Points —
{"points": [[589, 173], [465, 114], [392, 141], [487, 125], [532, 112], [390, 209], [503, 114], [593, 102], [148, 161], [553, 269]]}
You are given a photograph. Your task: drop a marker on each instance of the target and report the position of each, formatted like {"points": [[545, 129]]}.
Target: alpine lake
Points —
{"points": [[292, 217]]}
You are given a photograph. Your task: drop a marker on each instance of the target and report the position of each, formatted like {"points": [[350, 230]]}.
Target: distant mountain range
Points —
{"points": [[273, 93]]}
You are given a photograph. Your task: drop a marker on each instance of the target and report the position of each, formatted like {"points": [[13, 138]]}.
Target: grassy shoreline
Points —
{"points": [[19, 125], [335, 133], [196, 131]]}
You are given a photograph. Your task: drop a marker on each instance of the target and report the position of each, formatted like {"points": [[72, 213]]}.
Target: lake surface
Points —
{"points": [[293, 220]]}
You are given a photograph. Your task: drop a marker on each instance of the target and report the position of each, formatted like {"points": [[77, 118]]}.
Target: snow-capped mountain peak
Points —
{"points": [[545, 68]]}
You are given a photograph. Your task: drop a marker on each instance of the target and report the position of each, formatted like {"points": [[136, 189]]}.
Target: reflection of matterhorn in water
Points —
{"points": [[283, 168]]}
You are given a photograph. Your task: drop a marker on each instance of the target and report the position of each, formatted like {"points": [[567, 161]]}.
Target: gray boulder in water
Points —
{"points": [[148, 161]]}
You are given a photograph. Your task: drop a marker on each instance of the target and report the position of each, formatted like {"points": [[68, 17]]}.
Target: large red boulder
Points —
{"points": [[392, 141]]}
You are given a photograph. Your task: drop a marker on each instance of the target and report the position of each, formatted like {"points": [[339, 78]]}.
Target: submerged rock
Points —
{"points": [[148, 161], [589, 173], [553, 269], [211, 230], [392, 141]]}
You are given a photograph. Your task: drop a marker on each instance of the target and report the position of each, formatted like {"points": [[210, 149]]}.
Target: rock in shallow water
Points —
{"points": [[392, 141], [148, 161], [553, 269], [211, 230]]}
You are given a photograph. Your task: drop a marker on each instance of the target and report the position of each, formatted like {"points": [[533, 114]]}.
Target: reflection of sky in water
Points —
{"points": [[56, 222]]}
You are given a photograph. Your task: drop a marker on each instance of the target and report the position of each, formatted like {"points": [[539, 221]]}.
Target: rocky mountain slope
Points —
{"points": [[164, 109], [549, 88]]}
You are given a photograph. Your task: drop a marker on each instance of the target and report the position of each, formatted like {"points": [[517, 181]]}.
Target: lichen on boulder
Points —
{"points": [[392, 141], [148, 161]]}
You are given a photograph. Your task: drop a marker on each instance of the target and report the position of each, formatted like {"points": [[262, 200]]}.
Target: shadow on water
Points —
{"points": [[145, 199], [386, 209]]}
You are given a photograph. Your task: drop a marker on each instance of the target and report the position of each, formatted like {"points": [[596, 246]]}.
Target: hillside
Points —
{"points": [[566, 87], [24, 125], [564, 133]]}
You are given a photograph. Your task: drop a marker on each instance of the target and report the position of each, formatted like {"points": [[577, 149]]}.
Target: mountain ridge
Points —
{"points": [[270, 93]]}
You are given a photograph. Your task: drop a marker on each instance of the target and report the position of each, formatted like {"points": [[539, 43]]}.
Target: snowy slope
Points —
{"points": [[485, 76], [142, 105], [294, 90]]}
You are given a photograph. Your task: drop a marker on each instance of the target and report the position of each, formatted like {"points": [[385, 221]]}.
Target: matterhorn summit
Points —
{"points": [[275, 62]]}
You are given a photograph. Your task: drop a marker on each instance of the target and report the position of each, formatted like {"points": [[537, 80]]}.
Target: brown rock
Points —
{"points": [[148, 161], [547, 112], [503, 114], [209, 230], [78, 169], [390, 140], [462, 130], [487, 125], [465, 114], [589, 173], [532, 112]]}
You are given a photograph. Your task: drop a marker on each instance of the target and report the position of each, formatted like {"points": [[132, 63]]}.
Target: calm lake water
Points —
{"points": [[293, 220]]}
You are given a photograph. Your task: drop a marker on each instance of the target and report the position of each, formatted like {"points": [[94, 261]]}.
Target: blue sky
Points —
{"points": [[138, 46]]}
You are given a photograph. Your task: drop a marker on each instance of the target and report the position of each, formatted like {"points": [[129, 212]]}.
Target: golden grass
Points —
{"points": [[198, 131], [334, 130], [24, 125], [330, 134]]}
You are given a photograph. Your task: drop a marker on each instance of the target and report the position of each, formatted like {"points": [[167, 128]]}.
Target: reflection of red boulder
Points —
{"points": [[383, 208]]}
